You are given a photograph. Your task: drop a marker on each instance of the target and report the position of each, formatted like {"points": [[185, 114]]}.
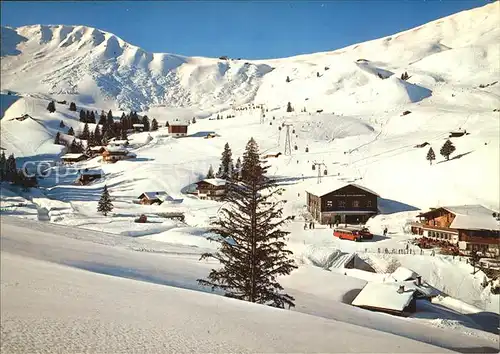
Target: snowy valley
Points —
{"points": [[354, 116]]}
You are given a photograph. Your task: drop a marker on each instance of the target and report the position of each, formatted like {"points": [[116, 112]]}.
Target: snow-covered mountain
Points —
{"points": [[459, 51]]}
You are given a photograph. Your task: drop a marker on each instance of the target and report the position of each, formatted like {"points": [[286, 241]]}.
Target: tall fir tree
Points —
{"points": [[154, 124], [447, 149], [103, 119], [289, 107], [109, 118], [210, 173], [57, 139], [10, 168], [61, 124], [71, 131], [167, 124], [72, 107], [3, 166], [145, 122], [51, 107], [431, 156], [237, 170], [226, 163], [105, 205], [252, 248], [85, 132], [97, 136], [91, 141]]}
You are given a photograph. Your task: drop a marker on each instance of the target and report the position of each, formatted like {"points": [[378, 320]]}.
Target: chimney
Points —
{"points": [[419, 280], [401, 289]]}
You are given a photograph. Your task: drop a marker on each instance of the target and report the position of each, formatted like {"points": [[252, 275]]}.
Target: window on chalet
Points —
{"points": [[341, 204], [369, 204], [329, 203], [355, 203]]}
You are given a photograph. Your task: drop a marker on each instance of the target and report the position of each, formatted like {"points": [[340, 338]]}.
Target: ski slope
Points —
{"points": [[145, 293]]}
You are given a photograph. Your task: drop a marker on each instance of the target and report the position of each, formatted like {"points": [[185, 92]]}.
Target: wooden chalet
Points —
{"points": [[178, 129], [73, 158], [393, 299], [470, 227], [96, 150], [344, 203], [89, 175], [113, 154], [149, 198], [211, 188]]}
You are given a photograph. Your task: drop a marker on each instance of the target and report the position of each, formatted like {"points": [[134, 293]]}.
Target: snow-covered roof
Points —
{"points": [[72, 156], [118, 142], [96, 148], [384, 296], [214, 181], [92, 172], [138, 125], [423, 288], [404, 274], [322, 189], [116, 149], [154, 195], [473, 217]]}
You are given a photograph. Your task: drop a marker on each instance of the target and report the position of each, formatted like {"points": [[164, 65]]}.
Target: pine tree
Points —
{"points": [[3, 166], [123, 135], [61, 124], [85, 133], [97, 136], [287, 79], [237, 170], [91, 141], [105, 206], [431, 156], [73, 147], [109, 118], [167, 125], [110, 115], [447, 149], [317, 74], [154, 124], [145, 122], [103, 119], [210, 173], [72, 106], [194, 120], [57, 139], [51, 107], [252, 248], [10, 168], [71, 131], [226, 163], [289, 107]]}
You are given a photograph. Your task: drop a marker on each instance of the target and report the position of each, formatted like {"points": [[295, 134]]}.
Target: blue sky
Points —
{"points": [[257, 29]]}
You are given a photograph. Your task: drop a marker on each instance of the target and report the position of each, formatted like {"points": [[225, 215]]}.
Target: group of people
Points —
{"points": [[310, 224]]}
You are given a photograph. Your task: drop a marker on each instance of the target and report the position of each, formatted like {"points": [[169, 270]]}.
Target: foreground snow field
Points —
{"points": [[318, 292]]}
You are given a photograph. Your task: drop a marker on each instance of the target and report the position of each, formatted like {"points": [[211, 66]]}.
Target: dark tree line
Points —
{"points": [[10, 173]]}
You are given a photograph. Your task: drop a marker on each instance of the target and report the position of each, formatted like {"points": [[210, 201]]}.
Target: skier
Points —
{"points": [[305, 226]]}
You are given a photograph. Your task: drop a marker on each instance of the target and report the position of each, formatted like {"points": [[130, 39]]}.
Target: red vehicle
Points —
{"points": [[364, 232], [347, 234]]}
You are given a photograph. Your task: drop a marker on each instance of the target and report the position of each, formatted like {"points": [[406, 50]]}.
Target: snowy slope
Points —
{"points": [[156, 309]]}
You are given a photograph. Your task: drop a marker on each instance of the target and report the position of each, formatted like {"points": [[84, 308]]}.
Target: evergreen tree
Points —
{"points": [[85, 133], [431, 156], [110, 115], [97, 136], [123, 135], [3, 166], [474, 260], [194, 120], [10, 168], [57, 139], [252, 248], [51, 107], [219, 172], [167, 125], [80, 148], [317, 74], [289, 107], [109, 118], [105, 206], [83, 116], [91, 118], [71, 131], [91, 141], [61, 124], [287, 79], [237, 170], [154, 124], [405, 76], [103, 119], [447, 149], [210, 173], [226, 163], [145, 122], [72, 106], [73, 147]]}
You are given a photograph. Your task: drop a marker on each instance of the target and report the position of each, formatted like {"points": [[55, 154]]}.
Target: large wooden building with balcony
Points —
{"points": [[211, 188], [338, 202], [470, 227]]}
